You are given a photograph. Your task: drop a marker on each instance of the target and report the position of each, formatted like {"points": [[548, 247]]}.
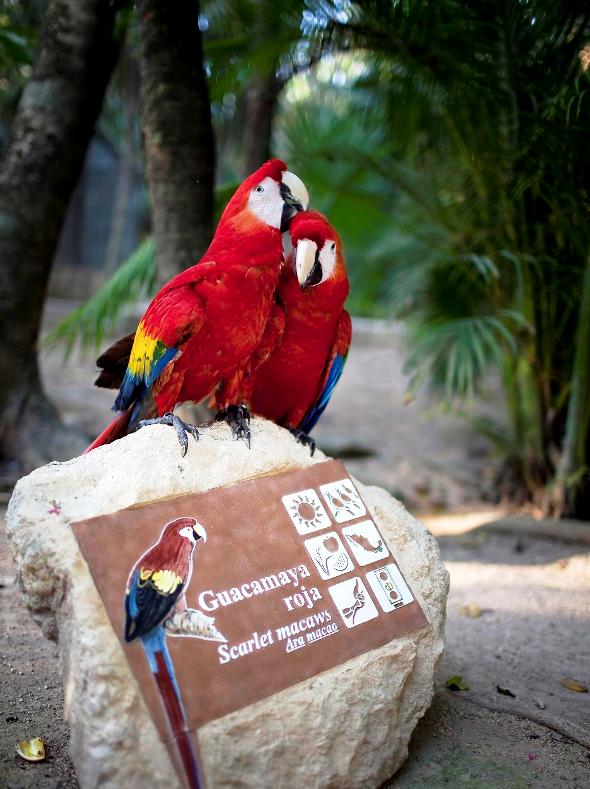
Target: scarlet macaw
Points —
{"points": [[200, 330], [302, 355], [156, 587]]}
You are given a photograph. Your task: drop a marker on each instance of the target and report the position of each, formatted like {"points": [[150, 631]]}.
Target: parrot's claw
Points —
{"points": [[303, 438], [238, 418], [182, 428]]}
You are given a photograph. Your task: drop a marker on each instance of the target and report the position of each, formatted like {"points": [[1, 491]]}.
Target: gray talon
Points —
{"points": [[303, 438], [238, 418], [181, 428]]}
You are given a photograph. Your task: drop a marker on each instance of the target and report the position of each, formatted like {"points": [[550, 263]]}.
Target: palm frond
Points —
{"points": [[88, 324]]}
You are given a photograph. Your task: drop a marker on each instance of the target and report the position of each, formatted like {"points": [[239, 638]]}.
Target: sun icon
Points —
{"points": [[306, 512]]}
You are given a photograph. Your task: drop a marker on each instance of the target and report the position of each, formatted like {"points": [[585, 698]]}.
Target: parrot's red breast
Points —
{"points": [[311, 338]]}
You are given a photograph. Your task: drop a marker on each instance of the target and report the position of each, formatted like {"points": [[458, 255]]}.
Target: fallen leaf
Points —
{"points": [[472, 610], [505, 692], [31, 750], [573, 684], [456, 683]]}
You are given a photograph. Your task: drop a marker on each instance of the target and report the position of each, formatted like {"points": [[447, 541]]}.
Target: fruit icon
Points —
{"points": [[329, 554], [343, 500], [331, 544]]}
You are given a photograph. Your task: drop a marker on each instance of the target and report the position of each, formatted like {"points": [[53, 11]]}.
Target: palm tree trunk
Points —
{"points": [[129, 80], [41, 165], [572, 471], [261, 103], [178, 135]]}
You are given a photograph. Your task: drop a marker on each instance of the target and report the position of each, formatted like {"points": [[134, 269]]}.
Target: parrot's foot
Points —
{"points": [[182, 428], [238, 418], [303, 438]]}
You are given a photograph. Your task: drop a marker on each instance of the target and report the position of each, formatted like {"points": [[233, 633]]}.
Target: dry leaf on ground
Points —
{"points": [[31, 750], [573, 684], [472, 610]]}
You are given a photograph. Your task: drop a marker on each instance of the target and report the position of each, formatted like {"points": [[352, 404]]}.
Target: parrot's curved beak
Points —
{"points": [[199, 532], [307, 263], [291, 207], [295, 197]]}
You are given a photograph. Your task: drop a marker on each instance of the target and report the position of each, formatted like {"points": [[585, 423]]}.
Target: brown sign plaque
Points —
{"points": [[294, 572]]}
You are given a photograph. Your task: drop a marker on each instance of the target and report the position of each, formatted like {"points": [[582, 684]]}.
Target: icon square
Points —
{"points": [[306, 511], [389, 587], [343, 500], [365, 542], [329, 555], [353, 602]]}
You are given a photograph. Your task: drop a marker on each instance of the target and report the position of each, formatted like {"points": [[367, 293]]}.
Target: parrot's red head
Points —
{"points": [[317, 257], [269, 198], [183, 529]]}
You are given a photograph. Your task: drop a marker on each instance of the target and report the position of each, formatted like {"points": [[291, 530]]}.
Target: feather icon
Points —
{"points": [[363, 542]]}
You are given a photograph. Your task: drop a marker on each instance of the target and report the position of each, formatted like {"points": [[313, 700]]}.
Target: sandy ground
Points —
{"points": [[532, 594]]}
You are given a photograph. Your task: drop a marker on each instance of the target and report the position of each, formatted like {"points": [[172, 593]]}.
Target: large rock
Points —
{"points": [[296, 737]]}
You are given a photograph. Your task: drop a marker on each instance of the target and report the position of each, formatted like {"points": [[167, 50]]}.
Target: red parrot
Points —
{"points": [[301, 357], [198, 333], [156, 586]]}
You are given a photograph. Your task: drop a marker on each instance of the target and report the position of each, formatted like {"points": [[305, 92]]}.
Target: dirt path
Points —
{"points": [[31, 692]]}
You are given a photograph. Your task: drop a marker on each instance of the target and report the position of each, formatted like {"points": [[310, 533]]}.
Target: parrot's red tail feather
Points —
{"points": [[177, 720], [116, 429]]}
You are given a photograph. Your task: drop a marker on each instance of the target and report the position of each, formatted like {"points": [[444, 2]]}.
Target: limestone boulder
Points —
{"points": [[347, 727]]}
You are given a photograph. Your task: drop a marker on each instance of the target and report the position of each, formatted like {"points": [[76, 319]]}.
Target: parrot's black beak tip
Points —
{"points": [[315, 275], [197, 536], [291, 207], [290, 210]]}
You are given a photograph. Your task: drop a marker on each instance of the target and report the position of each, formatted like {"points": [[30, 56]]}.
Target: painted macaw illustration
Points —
{"points": [[302, 356], [199, 332], [156, 589]]}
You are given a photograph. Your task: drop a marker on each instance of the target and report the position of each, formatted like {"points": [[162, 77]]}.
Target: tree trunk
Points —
{"points": [[178, 136], [41, 165], [261, 102], [128, 73], [572, 478]]}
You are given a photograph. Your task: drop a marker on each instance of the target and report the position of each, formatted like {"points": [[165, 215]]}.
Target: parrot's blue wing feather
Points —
{"points": [[147, 605], [136, 384], [332, 372], [314, 413], [166, 358], [131, 601]]}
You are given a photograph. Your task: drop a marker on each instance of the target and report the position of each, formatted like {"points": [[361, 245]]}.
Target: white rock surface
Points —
{"points": [[348, 727]]}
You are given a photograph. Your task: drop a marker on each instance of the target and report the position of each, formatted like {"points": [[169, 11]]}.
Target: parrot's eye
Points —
{"points": [[333, 246], [266, 203]]}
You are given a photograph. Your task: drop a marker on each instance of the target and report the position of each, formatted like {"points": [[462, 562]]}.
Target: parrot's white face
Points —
{"points": [[193, 533], [266, 203], [327, 258], [268, 199]]}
